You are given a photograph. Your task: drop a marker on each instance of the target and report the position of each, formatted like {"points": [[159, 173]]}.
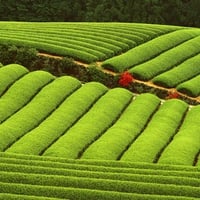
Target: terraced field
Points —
{"points": [[74, 121], [62, 139], [168, 56], [34, 177]]}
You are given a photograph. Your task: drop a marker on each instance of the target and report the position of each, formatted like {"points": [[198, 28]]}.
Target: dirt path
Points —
{"points": [[147, 83]]}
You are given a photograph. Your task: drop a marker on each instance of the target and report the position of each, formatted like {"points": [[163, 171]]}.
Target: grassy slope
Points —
{"points": [[25, 177], [149, 51]]}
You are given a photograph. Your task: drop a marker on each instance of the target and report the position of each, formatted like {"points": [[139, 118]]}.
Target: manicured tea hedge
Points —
{"points": [[27, 177], [75, 120], [9, 74]]}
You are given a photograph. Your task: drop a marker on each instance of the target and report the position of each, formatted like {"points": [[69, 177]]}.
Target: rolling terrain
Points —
{"points": [[61, 138], [167, 56]]}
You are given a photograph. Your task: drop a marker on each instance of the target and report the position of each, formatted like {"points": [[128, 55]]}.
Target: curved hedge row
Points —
{"points": [[101, 116], [188, 135], [75, 120], [179, 74], [87, 42], [168, 60], [158, 132], [46, 177], [9, 74], [149, 50], [68, 113], [11, 101], [190, 87], [36, 110], [124, 131]]}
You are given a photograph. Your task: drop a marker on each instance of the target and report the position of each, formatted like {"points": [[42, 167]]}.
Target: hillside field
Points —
{"points": [[61, 138], [167, 56], [60, 120]]}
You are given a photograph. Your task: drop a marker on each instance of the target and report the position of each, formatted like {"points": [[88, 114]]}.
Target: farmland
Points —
{"points": [[43, 177], [167, 56], [61, 138], [78, 121]]}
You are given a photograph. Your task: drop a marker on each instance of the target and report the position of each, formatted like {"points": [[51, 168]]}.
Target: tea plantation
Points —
{"points": [[60, 117], [165, 55], [61, 138]]}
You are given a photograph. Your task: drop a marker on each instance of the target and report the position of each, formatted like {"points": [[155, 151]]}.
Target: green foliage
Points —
{"points": [[95, 73], [20, 55], [9, 74], [166, 60], [99, 165], [100, 117], [82, 193], [123, 187], [149, 50], [47, 100], [4, 196], [22, 91], [188, 134], [116, 139], [176, 178], [73, 108], [183, 72], [79, 42], [190, 87], [87, 179], [183, 12], [158, 132], [51, 48]]}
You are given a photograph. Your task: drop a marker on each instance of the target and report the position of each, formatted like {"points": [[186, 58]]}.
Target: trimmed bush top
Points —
{"points": [[60, 139], [166, 55], [90, 121]]}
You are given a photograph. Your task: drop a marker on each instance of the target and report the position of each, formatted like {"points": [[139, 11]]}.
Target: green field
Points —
{"points": [[79, 121], [168, 56], [61, 138], [25, 177]]}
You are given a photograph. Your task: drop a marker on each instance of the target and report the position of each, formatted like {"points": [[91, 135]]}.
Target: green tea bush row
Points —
{"points": [[190, 87], [66, 43], [82, 194], [73, 108], [166, 60], [59, 166], [11, 196], [123, 132], [123, 36], [46, 101], [100, 40], [140, 35], [158, 133], [188, 134], [22, 91], [94, 163], [63, 182], [183, 72], [107, 41], [72, 41], [176, 179], [51, 48], [130, 39], [149, 50], [9, 74], [99, 118]]}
